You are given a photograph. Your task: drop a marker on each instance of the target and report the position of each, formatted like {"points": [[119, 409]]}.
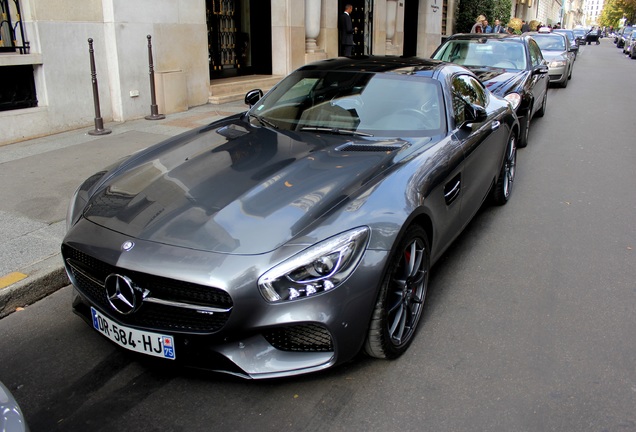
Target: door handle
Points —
{"points": [[495, 125]]}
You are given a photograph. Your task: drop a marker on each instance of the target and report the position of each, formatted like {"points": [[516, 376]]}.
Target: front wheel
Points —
{"points": [[503, 189], [401, 299]]}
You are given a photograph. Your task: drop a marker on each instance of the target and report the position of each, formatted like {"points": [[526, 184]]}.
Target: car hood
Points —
{"points": [[234, 187], [499, 81]]}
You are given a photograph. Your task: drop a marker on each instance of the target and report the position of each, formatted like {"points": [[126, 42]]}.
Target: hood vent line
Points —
{"points": [[383, 148]]}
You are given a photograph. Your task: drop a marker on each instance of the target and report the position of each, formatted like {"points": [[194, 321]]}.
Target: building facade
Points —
{"points": [[194, 43], [46, 84]]}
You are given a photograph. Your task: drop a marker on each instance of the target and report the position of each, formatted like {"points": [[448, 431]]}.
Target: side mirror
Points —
{"points": [[540, 69], [253, 96], [474, 114]]}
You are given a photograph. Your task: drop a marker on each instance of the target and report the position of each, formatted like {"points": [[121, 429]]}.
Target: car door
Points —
{"points": [[481, 143], [540, 81]]}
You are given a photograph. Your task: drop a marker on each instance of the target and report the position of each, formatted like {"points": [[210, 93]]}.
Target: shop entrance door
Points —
{"points": [[239, 37]]}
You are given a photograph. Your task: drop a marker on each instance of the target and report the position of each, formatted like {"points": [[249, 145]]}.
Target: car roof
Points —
{"points": [[465, 36], [542, 34], [383, 64]]}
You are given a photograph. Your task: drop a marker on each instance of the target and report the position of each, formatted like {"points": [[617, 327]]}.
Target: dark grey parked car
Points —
{"points": [[287, 239]]}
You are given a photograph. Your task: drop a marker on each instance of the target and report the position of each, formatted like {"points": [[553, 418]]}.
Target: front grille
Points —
{"points": [[299, 338], [89, 274]]}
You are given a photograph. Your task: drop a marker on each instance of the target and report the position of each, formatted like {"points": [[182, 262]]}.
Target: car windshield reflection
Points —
{"points": [[356, 103], [498, 53], [550, 42]]}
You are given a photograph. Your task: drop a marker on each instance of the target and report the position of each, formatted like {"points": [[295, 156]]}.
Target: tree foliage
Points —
{"points": [[469, 10], [615, 10]]}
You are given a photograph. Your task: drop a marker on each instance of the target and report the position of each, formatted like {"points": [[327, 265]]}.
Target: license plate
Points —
{"points": [[154, 344]]}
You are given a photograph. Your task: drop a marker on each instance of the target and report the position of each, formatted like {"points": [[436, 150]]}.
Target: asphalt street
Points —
{"points": [[528, 326]]}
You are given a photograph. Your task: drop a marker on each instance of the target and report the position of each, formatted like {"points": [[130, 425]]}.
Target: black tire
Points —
{"points": [[541, 111], [503, 189], [401, 300], [523, 139]]}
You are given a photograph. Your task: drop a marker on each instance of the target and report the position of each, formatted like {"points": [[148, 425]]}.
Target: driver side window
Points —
{"points": [[535, 53]]}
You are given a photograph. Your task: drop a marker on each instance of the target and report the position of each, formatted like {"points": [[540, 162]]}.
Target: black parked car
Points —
{"points": [[579, 35], [289, 238], [594, 35], [510, 66]]}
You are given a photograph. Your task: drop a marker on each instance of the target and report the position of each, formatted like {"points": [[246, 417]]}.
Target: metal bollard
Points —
{"points": [[154, 109], [99, 122]]}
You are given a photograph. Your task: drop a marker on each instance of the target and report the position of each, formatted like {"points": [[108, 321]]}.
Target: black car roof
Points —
{"points": [[486, 36], [379, 64]]}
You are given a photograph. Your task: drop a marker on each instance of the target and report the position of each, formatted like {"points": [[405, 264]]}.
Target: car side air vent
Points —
{"points": [[384, 148]]}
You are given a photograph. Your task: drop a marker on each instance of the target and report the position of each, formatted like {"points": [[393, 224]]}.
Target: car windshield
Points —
{"points": [[501, 53], [550, 42], [354, 103]]}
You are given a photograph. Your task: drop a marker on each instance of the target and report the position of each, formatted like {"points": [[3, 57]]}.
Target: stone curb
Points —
{"points": [[43, 278]]}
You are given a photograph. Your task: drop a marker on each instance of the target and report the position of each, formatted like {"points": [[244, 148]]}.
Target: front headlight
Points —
{"points": [[317, 269], [514, 99], [558, 63]]}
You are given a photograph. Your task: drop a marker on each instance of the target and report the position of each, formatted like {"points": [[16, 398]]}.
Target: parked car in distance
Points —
{"points": [[558, 53], [628, 46], [574, 45], [579, 35], [511, 66], [593, 35], [622, 34], [287, 239]]}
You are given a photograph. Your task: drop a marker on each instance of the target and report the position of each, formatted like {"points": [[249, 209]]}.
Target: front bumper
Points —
{"points": [[558, 74], [254, 339]]}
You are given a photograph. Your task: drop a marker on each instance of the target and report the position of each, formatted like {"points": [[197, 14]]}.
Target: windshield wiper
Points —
{"points": [[337, 131], [263, 121]]}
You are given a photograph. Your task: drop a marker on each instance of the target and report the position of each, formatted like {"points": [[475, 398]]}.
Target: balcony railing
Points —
{"points": [[12, 34]]}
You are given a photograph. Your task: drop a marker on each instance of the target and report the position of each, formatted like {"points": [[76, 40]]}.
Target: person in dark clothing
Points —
{"points": [[525, 27], [498, 28], [346, 31]]}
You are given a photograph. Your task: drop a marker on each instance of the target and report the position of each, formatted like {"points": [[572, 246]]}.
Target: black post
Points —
{"points": [[154, 109], [99, 122]]}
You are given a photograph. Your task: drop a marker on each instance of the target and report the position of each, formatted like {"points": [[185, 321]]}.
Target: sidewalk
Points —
{"points": [[37, 179]]}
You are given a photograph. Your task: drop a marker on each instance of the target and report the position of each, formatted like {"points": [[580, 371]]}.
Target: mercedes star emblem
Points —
{"points": [[122, 294]]}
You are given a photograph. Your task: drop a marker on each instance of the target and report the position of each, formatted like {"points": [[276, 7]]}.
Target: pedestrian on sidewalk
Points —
{"points": [[346, 31], [478, 27]]}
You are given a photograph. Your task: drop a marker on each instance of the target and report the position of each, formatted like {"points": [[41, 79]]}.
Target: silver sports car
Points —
{"points": [[289, 238]]}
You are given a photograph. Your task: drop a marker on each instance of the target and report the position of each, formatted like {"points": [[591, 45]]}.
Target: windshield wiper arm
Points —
{"points": [[263, 121], [335, 131]]}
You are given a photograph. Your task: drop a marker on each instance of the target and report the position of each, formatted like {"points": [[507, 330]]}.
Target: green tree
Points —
{"points": [[615, 10], [469, 10]]}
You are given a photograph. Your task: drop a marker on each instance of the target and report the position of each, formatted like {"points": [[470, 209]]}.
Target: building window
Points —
{"points": [[12, 34], [17, 88]]}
